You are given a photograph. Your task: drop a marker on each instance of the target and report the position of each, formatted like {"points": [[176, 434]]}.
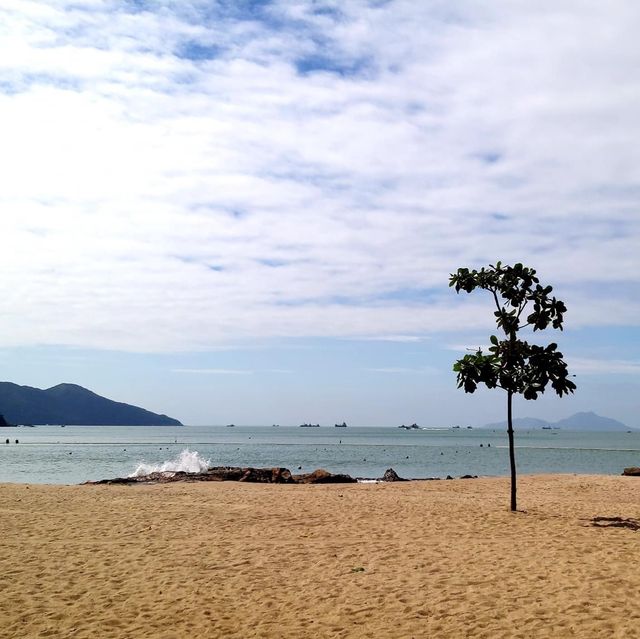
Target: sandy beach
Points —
{"points": [[420, 559]]}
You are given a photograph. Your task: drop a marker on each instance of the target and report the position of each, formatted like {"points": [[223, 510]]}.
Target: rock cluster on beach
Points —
{"points": [[235, 473], [253, 475]]}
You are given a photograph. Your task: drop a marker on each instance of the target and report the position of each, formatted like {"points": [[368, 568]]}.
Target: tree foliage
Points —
{"points": [[514, 364]]}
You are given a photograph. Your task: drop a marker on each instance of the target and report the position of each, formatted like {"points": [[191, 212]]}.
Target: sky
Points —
{"points": [[247, 211]]}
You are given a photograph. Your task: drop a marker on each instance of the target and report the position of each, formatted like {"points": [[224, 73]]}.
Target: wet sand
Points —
{"points": [[420, 559]]}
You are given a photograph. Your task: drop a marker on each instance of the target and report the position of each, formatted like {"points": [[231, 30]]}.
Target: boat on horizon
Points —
{"points": [[309, 425], [343, 425]]}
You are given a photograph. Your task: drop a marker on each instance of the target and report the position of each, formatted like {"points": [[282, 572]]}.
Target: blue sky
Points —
{"points": [[248, 211]]}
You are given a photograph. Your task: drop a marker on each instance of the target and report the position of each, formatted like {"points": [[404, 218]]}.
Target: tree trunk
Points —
{"points": [[512, 452]]}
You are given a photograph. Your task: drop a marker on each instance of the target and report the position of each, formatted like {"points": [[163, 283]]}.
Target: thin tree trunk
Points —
{"points": [[512, 452]]}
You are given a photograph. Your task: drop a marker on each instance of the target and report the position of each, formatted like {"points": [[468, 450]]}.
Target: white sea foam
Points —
{"points": [[188, 461]]}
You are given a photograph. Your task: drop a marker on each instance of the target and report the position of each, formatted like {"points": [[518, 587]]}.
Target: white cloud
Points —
{"points": [[153, 202]]}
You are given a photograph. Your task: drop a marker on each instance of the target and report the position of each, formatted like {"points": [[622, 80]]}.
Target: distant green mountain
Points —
{"points": [[580, 421], [590, 421], [523, 423], [72, 404]]}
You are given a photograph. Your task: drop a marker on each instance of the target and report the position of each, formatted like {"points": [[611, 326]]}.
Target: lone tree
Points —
{"points": [[513, 364]]}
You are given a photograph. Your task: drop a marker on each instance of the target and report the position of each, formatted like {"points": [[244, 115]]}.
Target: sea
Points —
{"points": [[75, 454]]}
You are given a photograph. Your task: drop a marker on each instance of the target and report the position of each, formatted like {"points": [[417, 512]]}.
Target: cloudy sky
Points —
{"points": [[248, 211]]}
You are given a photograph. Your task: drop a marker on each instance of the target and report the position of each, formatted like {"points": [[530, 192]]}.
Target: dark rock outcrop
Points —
{"points": [[234, 473], [632, 471], [257, 475], [321, 476], [391, 475], [254, 475]]}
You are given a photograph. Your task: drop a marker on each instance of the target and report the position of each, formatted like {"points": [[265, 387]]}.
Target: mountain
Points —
{"points": [[72, 404], [590, 421], [523, 423], [580, 421]]}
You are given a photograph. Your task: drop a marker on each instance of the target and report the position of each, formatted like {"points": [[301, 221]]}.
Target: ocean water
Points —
{"points": [[73, 454]]}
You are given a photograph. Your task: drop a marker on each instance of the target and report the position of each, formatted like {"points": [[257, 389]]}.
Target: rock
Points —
{"points": [[156, 478], [391, 475], [633, 471], [469, 477], [267, 475], [321, 476], [234, 473]]}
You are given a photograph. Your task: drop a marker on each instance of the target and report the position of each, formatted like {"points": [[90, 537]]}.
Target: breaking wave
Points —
{"points": [[188, 461]]}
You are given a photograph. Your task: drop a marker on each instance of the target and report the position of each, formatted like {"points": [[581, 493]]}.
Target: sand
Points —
{"points": [[420, 559]]}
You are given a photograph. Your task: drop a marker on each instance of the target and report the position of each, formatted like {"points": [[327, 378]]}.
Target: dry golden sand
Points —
{"points": [[423, 559]]}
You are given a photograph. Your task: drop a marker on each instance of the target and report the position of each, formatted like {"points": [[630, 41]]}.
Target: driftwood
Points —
{"points": [[615, 522]]}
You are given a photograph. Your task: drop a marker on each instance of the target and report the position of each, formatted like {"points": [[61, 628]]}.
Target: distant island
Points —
{"points": [[586, 421], [74, 405]]}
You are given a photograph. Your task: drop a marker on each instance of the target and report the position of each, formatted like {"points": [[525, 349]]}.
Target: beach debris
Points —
{"points": [[615, 522], [357, 569], [633, 471]]}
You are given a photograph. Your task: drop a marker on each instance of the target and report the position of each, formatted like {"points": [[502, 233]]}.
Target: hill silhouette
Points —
{"points": [[586, 421], [72, 404]]}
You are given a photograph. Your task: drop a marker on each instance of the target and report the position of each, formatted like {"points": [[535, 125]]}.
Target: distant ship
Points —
{"points": [[343, 425], [230, 425], [412, 427], [309, 425]]}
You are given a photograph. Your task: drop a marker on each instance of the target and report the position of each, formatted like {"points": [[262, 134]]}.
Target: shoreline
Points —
{"points": [[400, 559]]}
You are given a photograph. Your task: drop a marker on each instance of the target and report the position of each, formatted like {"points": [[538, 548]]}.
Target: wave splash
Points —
{"points": [[187, 461]]}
